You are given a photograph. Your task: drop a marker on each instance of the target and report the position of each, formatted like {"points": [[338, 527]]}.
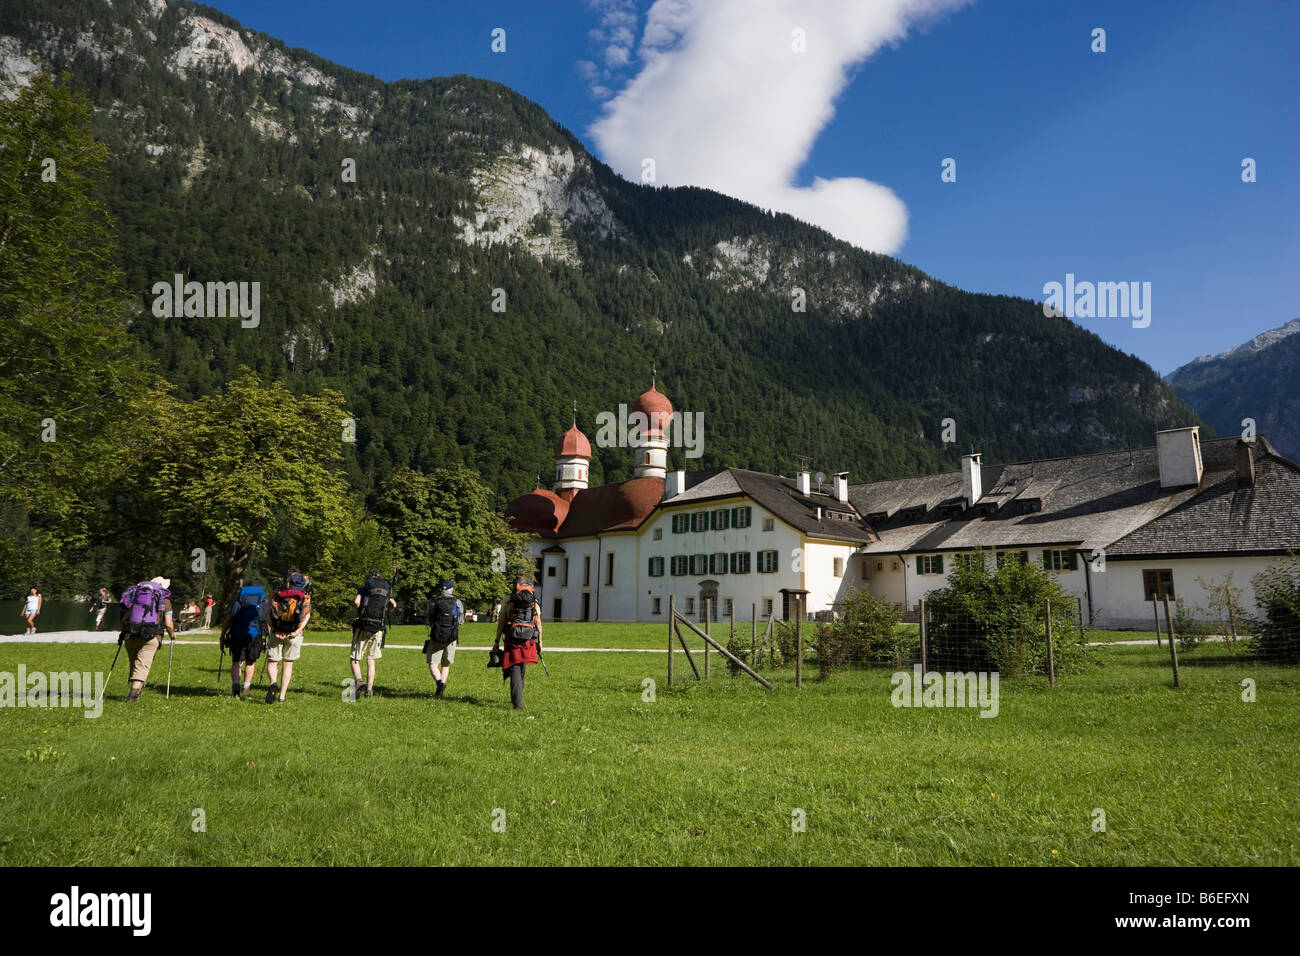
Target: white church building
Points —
{"points": [[1116, 527]]}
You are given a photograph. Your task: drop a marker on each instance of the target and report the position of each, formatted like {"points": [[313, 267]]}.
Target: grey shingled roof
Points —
{"points": [[779, 496], [1263, 518], [1088, 501]]}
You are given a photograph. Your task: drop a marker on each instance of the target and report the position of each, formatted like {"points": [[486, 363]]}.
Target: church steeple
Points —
{"points": [[652, 449], [572, 461]]}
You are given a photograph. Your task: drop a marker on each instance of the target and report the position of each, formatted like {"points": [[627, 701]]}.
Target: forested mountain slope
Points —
{"points": [[229, 161]]}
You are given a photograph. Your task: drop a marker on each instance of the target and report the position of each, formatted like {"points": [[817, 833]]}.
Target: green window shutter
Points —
{"points": [[920, 564], [724, 519], [1047, 560], [938, 564], [749, 515], [1071, 560], [775, 556], [1024, 557]]}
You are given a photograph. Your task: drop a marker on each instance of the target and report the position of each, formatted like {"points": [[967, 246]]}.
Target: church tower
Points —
{"points": [[652, 449], [572, 463]]}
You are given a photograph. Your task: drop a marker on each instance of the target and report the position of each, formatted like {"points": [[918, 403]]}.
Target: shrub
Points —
{"points": [[1277, 628], [864, 629], [995, 620]]}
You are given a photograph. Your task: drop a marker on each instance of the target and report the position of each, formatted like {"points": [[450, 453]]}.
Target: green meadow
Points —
{"points": [[720, 772]]}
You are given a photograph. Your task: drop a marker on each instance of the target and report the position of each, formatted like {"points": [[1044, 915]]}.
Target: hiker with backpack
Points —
{"points": [[146, 616], [373, 601], [244, 635], [446, 615], [290, 610], [520, 624]]}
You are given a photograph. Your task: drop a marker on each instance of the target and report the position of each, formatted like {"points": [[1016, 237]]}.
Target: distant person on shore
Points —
{"points": [[446, 615], [290, 611], [520, 624], [208, 604], [99, 606], [146, 615], [31, 607]]}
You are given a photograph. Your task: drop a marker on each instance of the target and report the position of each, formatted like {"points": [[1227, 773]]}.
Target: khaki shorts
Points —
{"points": [[366, 647], [140, 652], [282, 648], [444, 654]]}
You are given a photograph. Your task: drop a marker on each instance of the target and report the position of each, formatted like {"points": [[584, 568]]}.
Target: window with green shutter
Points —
{"points": [[718, 563], [699, 521], [740, 516], [681, 523], [740, 562], [656, 567], [679, 564], [699, 564], [720, 520]]}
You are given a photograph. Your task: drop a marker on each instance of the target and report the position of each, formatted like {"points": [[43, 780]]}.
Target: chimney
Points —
{"points": [[803, 483], [842, 487], [675, 484], [972, 478], [1245, 464], [1178, 451]]}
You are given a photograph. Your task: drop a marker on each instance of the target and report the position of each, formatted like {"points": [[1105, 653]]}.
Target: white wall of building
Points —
{"points": [[1124, 603], [632, 597]]}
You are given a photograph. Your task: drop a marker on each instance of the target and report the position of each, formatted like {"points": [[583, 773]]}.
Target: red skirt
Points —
{"points": [[519, 652]]}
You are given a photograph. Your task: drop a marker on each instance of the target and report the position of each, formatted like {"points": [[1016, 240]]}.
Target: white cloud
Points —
{"points": [[722, 100]]}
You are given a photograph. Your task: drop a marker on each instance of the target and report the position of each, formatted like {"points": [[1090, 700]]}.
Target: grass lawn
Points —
{"points": [[706, 774]]}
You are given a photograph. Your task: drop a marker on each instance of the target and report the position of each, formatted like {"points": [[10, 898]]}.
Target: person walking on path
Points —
{"points": [[31, 607], [146, 616], [520, 625], [446, 615], [99, 606], [289, 614], [373, 601]]}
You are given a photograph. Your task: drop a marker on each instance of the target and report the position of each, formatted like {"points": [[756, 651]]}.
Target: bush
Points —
{"points": [[995, 620], [864, 629], [1190, 630], [1277, 629]]}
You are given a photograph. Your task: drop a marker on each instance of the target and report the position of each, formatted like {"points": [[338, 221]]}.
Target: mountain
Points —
{"points": [[1259, 379], [230, 162]]}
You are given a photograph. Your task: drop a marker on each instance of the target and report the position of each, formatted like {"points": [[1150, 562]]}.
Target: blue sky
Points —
{"points": [[1115, 166]]}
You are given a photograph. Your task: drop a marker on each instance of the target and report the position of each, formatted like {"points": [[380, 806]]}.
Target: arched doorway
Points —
{"points": [[709, 591]]}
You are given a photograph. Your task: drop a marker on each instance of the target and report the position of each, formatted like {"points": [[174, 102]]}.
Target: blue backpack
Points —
{"points": [[248, 614]]}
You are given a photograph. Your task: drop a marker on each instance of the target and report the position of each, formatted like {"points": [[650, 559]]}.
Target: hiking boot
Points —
{"points": [[132, 697], [442, 686], [271, 692], [234, 690], [370, 692]]}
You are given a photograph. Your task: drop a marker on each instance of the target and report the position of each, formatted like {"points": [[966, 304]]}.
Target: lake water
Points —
{"points": [[55, 616]]}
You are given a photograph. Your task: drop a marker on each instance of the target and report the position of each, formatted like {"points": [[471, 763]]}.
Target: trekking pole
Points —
{"points": [[221, 658], [110, 672], [542, 660], [171, 654]]}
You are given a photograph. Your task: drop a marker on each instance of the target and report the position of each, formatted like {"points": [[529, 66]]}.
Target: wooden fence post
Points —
{"points": [[753, 631], [672, 613], [924, 667], [798, 642], [707, 615], [1173, 651], [1051, 661], [1155, 609], [1083, 635]]}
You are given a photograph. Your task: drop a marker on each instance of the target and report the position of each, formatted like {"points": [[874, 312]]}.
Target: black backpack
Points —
{"points": [[370, 616], [522, 625], [443, 626]]}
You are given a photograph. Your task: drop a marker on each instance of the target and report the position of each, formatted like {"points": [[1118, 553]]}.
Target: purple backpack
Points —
{"points": [[142, 609]]}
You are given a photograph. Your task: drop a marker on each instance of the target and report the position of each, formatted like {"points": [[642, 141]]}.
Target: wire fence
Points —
{"points": [[1025, 641]]}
